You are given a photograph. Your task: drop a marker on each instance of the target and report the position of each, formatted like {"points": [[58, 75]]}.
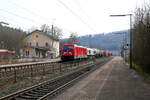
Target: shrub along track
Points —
{"points": [[52, 87]]}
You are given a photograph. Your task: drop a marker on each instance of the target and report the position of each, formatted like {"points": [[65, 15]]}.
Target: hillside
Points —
{"points": [[110, 41]]}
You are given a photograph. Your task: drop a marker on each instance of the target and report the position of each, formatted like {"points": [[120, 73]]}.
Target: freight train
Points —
{"points": [[73, 51]]}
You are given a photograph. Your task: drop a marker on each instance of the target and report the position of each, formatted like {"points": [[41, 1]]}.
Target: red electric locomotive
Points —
{"points": [[73, 51]]}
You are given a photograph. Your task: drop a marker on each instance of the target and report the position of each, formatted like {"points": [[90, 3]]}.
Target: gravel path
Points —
{"points": [[112, 81]]}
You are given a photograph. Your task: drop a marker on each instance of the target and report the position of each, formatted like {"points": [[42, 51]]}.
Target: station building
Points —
{"points": [[38, 44]]}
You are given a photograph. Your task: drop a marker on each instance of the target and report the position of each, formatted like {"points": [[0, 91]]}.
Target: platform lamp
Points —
{"points": [[122, 15]]}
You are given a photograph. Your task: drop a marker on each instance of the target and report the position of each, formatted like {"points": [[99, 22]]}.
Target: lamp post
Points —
{"points": [[130, 33]]}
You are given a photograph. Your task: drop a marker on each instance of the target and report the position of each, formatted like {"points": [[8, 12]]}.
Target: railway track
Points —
{"points": [[52, 87], [19, 72]]}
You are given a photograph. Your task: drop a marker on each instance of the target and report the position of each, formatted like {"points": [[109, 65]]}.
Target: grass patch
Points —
{"points": [[127, 60], [140, 70]]}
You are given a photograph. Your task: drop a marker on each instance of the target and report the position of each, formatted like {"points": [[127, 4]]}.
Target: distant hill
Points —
{"points": [[110, 41]]}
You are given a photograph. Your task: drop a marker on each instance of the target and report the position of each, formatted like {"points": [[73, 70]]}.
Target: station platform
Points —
{"points": [[112, 81], [26, 61]]}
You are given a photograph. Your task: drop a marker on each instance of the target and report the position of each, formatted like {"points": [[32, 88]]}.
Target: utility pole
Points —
{"points": [[130, 34], [130, 40], [52, 36]]}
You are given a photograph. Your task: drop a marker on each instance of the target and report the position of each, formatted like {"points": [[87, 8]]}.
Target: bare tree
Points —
{"points": [[11, 38], [73, 38], [141, 37], [56, 32], [45, 28], [32, 29]]}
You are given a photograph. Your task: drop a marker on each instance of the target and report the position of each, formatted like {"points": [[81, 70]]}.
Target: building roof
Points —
{"points": [[50, 36]]}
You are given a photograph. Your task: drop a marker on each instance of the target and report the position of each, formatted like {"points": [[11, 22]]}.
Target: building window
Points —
{"points": [[37, 44], [46, 44], [27, 53], [30, 43], [37, 36]]}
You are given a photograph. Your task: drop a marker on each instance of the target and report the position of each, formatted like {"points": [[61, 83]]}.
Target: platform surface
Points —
{"points": [[112, 81]]}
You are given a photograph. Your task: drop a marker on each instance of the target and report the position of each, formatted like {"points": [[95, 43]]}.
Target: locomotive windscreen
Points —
{"points": [[68, 48]]}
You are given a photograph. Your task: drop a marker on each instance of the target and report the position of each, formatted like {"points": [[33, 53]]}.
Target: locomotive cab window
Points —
{"points": [[68, 48]]}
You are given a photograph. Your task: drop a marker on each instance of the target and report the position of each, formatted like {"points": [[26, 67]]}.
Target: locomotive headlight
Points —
{"points": [[64, 53], [70, 53]]}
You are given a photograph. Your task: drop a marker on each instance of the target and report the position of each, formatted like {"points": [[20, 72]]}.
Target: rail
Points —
{"points": [[54, 86]]}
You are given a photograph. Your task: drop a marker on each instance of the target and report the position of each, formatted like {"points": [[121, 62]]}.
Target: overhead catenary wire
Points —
{"points": [[12, 20], [6, 20], [82, 10], [25, 18], [43, 18], [32, 20], [31, 12], [76, 15]]}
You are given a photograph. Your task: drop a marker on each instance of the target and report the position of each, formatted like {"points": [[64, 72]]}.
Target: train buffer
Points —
{"points": [[112, 81]]}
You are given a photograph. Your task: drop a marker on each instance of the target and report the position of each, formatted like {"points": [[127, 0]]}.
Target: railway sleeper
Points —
{"points": [[26, 97], [33, 95], [33, 92], [46, 89], [41, 91], [47, 86], [18, 98]]}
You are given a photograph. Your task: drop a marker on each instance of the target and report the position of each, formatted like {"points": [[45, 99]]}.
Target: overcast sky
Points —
{"points": [[81, 16]]}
